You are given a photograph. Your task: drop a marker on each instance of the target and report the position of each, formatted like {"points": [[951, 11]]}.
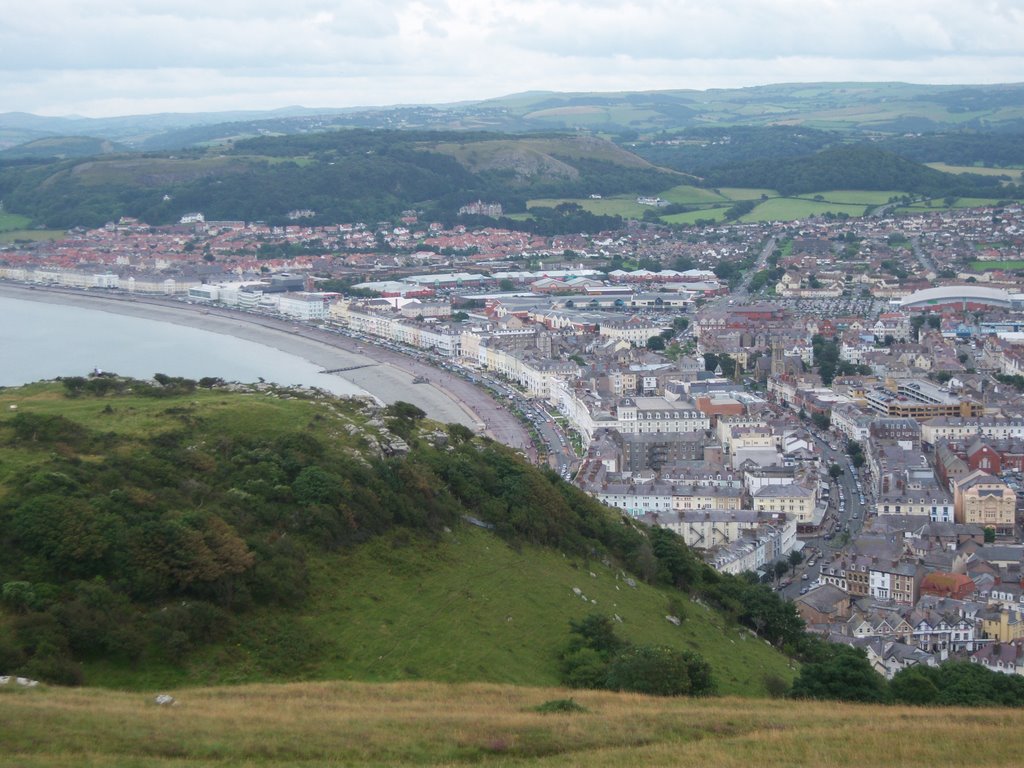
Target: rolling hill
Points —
{"points": [[851, 108], [352, 175], [168, 534]]}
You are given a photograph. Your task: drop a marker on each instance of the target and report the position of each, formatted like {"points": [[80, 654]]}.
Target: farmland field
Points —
{"points": [[985, 266], [691, 217], [746, 193], [853, 196], [13, 221], [1016, 174], [620, 205], [790, 208], [689, 195], [14, 235]]}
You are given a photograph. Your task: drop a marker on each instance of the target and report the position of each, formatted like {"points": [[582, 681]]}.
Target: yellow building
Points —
{"points": [[985, 500]]}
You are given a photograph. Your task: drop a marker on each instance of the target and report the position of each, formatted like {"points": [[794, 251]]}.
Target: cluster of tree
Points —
{"points": [[826, 359], [713, 360], [856, 453], [1015, 380], [857, 166], [700, 150], [843, 673], [596, 657], [766, 278], [989, 148], [562, 219]]}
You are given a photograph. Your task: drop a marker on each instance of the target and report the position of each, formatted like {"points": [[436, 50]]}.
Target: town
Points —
{"points": [[833, 404]]}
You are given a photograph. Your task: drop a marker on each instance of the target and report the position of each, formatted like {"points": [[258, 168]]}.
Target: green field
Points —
{"points": [[13, 221], [746, 193], [691, 217], [939, 204], [14, 228], [16, 235], [790, 208], [690, 195], [1016, 174], [988, 266], [625, 206], [853, 196]]}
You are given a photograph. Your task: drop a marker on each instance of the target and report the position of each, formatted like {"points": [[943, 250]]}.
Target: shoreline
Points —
{"points": [[383, 374]]}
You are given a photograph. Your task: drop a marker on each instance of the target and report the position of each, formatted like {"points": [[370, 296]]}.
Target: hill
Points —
{"points": [[424, 724], [857, 166], [167, 533], [354, 175], [62, 147], [850, 108]]}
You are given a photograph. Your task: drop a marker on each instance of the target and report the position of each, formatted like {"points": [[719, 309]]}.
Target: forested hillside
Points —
{"points": [[856, 166], [354, 175], [167, 531]]}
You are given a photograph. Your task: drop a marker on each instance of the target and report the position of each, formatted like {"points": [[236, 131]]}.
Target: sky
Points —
{"points": [[100, 58]]}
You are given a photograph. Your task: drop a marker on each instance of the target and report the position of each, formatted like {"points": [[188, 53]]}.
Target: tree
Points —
{"points": [[656, 343], [795, 558], [845, 675], [835, 471], [821, 420], [781, 566], [990, 535], [915, 685]]}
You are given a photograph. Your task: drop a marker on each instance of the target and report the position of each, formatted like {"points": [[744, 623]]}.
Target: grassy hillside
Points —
{"points": [[163, 534], [422, 724]]}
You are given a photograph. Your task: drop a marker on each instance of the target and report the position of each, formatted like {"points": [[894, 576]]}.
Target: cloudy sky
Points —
{"points": [[103, 58]]}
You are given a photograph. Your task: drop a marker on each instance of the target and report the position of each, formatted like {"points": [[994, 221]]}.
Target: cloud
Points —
{"points": [[92, 57]]}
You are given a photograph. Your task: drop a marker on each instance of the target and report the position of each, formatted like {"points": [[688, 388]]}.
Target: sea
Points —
{"points": [[44, 341]]}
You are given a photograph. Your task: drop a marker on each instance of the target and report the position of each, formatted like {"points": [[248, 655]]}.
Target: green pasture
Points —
{"points": [[691, 217], [686, 194], [746, 193], [16, 235], [1016, 174], [619, 205], [853, 196], [13, 221], [790, 208], [989, 266]]}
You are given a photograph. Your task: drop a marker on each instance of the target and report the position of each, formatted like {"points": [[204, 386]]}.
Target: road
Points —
{"points": [[741, 293], [840, 525]]}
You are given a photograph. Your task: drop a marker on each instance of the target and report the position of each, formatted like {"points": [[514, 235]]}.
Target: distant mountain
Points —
{"points": [[879, 108]]}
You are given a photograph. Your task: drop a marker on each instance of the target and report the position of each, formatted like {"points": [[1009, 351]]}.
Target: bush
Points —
{"points": [[560, 705], [660, 671]]}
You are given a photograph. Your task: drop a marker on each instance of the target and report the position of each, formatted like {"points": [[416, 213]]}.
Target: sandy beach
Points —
{"points": [[385, 374]]}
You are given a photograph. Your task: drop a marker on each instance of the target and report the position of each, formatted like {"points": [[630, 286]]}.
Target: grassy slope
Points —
{"points": [[416, 724], [468, 608], [483, 155]]}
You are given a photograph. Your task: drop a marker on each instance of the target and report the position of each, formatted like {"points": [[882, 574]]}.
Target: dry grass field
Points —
{"points": [[422, 724]]}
